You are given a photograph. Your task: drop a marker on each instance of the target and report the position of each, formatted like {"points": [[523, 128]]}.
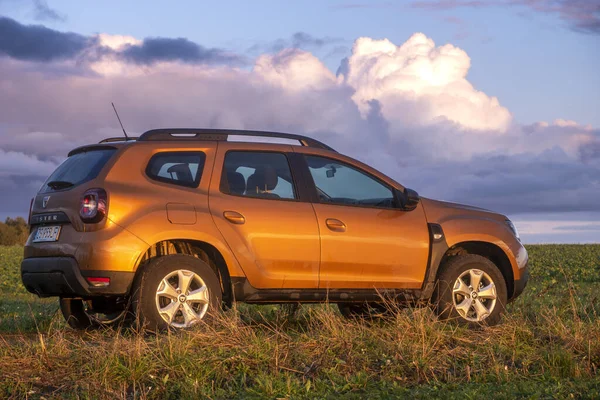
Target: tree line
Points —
{"points": [[13, 231]]}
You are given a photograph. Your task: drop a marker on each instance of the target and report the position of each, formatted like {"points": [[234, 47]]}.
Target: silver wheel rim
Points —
{"points": [[474, 295], [182, 298]]}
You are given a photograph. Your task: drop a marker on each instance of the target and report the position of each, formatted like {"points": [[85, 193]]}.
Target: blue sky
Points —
{"points": [[492, 103]]}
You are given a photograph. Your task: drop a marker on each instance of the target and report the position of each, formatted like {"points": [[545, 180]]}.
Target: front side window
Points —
{"points": [[339, 183], [257, 174], [177, 168]]}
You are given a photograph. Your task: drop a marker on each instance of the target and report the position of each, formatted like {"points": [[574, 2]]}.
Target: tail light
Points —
{"points": [[94, 206]]}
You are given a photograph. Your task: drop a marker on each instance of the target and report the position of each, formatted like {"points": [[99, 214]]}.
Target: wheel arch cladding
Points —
{"points": [[488, 250], [195, 248]]}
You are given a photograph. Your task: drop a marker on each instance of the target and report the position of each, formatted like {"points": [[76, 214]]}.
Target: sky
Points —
{"points": [[490, 103]]}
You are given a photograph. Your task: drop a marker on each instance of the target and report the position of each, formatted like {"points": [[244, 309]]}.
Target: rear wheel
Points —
{"points": [[94, 313], [471, 290], [175, 291]]}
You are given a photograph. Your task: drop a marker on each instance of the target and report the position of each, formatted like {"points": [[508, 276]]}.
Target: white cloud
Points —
{"points": [[420, 84], [294, 69]]}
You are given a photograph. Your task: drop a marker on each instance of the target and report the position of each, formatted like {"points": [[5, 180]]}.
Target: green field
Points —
{"points": [[548, 346]]}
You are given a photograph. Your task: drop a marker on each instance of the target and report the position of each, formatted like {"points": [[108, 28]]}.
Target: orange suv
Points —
{"points": [[181, 221]]}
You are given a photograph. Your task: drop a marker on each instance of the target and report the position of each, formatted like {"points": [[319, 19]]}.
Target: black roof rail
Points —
{"points": [[191, 134], [117, 139]]}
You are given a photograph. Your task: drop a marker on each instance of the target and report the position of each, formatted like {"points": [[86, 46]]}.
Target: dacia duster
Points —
{"points": [[179, 222]]}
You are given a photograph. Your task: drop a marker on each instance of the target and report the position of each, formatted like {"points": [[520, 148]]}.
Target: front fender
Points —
{"points": [[469, 229]]}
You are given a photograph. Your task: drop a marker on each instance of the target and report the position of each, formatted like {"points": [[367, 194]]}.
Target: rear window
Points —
{"points": [[177, 168], [78, 169]]}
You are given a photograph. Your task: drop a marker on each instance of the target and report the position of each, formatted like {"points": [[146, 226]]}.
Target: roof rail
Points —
{"points": [[191, 134], [117, 139]]}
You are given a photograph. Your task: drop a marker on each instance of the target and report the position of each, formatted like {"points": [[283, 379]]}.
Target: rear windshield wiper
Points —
{"points": [[56, 185]]}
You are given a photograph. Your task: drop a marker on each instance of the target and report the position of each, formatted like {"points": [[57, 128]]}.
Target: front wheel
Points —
{"points": [[175, 291], [470, 290]]}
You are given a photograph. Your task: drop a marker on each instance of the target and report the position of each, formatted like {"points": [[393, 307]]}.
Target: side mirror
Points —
{"points": [[409, 199]]}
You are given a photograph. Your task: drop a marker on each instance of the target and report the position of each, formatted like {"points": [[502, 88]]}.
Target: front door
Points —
{"points": [[366, 240], [255, 204]]}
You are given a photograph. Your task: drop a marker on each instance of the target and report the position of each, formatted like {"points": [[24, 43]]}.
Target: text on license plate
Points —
{"points": [[47, 234]]}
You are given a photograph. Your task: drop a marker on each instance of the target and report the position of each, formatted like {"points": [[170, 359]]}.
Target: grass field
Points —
{"points": [[548, 346]]}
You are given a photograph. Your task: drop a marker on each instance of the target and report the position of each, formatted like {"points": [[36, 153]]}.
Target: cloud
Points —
{"points": [[19, 164], [38, 43], [419, 84], [581, 15], [153, 50], [294, 69], [299, 40], [43, 12], [41, 44], [408, 109]]}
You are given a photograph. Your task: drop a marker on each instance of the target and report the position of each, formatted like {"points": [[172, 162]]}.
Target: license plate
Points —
{"points": [[47, 234]]}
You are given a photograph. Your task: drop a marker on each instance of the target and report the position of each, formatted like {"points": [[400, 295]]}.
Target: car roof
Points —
{"points": [[190, 135]]}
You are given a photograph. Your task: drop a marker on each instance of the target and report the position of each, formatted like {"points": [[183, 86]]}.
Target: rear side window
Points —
{"points": [[177, 168], [265, 175], [78, 169]]}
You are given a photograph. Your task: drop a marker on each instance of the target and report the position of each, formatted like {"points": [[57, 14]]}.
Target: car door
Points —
{"points": [[366, 240], [256, 205]]}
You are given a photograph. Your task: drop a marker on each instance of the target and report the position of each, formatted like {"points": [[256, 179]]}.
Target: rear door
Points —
{"points": [[256, 204], [366, 240]]}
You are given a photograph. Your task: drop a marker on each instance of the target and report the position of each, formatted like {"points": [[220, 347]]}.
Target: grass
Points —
{"points": [[548, 346]]}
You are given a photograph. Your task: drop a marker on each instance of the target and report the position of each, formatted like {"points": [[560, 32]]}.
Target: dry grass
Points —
{"points": [[548, 346], [318, 352]]}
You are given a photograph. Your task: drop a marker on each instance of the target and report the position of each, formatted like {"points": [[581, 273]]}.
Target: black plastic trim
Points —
{"points": [[520, 284], [302, 178], [60, 276], [244, 291], [437, 250]]}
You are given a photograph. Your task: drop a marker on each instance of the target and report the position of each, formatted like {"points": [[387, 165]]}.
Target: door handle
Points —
{"points": [[234, 217], [335, 225]]}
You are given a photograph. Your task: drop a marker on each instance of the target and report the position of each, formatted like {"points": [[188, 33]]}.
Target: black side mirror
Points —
{"points": [[409, 199]]}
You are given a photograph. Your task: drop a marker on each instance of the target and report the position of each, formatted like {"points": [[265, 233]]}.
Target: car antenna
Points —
{"points": [[124, 133]]}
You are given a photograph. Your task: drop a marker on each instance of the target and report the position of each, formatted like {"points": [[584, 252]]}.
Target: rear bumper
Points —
{"points": [[61, 276]]}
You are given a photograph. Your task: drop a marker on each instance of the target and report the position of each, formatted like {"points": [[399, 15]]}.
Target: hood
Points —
{"points": [[438, 211]]}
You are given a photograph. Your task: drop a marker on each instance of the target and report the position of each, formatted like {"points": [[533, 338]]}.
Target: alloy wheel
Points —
{"points": [[474, 295], [182, 298]]}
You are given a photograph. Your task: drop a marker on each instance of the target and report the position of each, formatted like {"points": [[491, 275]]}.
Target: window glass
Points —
{"points": [[257, 174], [178, 168], [339, 183], [79, 168]]}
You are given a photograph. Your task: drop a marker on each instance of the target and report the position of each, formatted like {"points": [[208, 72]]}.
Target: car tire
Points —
{"points": [[78, 316], [455, 298], [178, 287]]}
